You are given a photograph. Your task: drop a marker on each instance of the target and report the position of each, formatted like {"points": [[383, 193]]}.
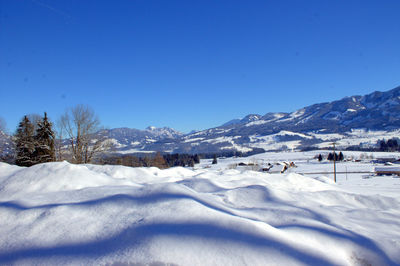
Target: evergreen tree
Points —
{"points": [[196, 158], [44, 141], [382, 145], [341, 157], [25, 143], [191, 163], [214, 161], [319, 157], [392, 144], [332, 156]]}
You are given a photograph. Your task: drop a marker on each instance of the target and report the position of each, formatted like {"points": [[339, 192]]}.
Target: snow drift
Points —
{"points": [[65, 214]]}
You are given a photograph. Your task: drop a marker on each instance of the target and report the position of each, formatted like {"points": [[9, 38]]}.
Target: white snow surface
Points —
{"points": [[65, 214], [270, 141], [355, 137]]}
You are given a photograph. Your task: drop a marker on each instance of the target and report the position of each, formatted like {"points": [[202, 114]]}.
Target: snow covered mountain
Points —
{"points": [[349, 121], [375, 111], [246, 119], [130, 140]]}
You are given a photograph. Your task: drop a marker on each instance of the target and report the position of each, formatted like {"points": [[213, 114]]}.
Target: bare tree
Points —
{"points": [[82, 126], [2, 134], [59, 141], [2, 125]]}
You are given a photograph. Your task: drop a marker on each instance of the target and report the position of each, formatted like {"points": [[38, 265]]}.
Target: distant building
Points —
{"points": [[387, 171]]}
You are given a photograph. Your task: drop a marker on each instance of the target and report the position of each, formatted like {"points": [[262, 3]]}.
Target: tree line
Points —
{"points": [[389, 145], [332, 156], [76, 138], [34, 146], [153, 160]]}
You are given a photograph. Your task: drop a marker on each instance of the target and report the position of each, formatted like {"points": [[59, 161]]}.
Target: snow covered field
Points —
{"points": [[60, 213]]}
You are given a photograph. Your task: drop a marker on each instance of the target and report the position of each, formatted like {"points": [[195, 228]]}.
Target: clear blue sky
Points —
{"points": [[191, 64]]}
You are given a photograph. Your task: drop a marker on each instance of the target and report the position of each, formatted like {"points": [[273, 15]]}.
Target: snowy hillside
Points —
{"points": [[375, 111], [349, 121], [64, 214], [130, 140]]}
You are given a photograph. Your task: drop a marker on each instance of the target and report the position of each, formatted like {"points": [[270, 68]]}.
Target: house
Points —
{"points": [[387, 170]]}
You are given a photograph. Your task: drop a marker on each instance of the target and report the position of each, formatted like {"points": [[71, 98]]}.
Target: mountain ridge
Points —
{"points": [[377, 111]]}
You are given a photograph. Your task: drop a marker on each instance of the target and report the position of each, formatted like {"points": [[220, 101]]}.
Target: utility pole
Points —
{"points": [[334, 162]]}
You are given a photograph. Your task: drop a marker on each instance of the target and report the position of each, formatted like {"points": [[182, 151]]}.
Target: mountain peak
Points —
{"points": [[244, 120]]}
